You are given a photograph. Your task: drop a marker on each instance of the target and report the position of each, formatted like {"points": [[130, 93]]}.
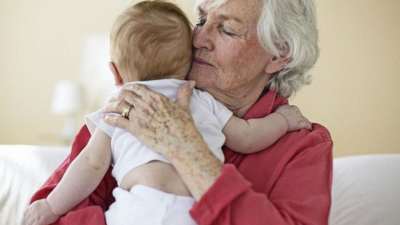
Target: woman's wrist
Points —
{"points": [[196, 164]]}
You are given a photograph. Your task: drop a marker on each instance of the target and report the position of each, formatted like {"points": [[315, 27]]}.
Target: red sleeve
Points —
{"points": [[91, 210], [300, 194]]}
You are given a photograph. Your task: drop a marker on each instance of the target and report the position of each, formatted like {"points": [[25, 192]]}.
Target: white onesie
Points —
{"points": [[209, 115]]}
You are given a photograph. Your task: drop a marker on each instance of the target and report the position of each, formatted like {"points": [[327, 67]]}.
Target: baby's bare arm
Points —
{"points": [[257, 134], [83, 175]]}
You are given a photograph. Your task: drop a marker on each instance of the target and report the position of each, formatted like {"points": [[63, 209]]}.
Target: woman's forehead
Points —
{"points": [[245, 12], [207, 5], [210, 3]]}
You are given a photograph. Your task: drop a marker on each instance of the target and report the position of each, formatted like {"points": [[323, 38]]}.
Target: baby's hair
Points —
{"points": [[151, 40]]}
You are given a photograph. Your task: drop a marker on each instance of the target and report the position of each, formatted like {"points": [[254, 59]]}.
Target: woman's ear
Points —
{"points": [[276, 63], [117, 77]]}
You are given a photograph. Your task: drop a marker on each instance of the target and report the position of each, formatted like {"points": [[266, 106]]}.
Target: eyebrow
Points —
{"points": [[224, 17], [201, 11]]}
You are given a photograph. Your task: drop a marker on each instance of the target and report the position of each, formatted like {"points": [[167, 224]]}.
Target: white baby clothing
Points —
{"points": [[145, 205], [209, 115]]}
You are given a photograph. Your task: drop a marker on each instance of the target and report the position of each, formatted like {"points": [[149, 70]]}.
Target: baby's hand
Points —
{"points": [[40, 213], [295, 119]]}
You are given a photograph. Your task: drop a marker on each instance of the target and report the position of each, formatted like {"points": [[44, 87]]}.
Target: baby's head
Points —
{"points": [[151, 40]]}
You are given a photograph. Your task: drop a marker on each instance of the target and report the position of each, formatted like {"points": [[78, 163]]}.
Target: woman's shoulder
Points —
{"points": [[320, 132], [304, 140]]}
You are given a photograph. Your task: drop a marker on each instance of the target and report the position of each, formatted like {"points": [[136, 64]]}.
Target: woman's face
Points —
{"points": [[229, 61]]}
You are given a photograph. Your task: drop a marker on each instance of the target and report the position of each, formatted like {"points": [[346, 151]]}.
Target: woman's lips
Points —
{"points": [[200, 61]]}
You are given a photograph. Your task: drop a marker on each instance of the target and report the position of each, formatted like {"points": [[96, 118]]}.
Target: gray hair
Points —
{"points": [[287, 28]]}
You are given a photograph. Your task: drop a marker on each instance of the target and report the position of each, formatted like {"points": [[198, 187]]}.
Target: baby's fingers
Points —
{"points": [[305, 124]]}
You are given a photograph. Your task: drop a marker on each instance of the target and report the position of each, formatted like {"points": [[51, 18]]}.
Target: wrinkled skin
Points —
{"points": [[167, 128]]}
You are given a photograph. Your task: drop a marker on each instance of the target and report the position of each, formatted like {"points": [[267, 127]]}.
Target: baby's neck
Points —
{"points": [[173, 76]]}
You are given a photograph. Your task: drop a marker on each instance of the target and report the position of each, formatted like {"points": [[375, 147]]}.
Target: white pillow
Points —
{"points": [[366, 190]]}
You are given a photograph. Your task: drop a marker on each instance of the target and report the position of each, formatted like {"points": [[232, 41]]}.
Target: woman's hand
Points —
{"points": [[166, 127], [157, 121]]}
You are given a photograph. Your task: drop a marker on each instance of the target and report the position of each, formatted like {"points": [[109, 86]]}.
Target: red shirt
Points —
{"points": [[287, 183]]}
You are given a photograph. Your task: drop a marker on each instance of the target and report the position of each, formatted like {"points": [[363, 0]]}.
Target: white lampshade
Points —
{"points": [[66, 99]]}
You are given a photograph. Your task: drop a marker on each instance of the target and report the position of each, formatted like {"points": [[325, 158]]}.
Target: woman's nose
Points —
{"points": [[203, 38]]}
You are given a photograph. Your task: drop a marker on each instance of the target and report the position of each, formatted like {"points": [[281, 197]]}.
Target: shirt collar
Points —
{"points": [[265, 105]]}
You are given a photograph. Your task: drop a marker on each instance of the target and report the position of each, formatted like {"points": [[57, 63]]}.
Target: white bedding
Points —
{"points": [[365, 188], [23, 169]]}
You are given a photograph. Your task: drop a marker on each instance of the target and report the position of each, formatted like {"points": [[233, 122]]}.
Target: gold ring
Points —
{"points": [[126, 111]]}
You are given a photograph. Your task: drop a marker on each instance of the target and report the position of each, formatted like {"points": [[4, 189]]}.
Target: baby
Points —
{"points": [[151, 45]]}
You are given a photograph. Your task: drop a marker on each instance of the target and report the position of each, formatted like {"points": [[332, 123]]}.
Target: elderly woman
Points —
{"points": [[250, 55]]}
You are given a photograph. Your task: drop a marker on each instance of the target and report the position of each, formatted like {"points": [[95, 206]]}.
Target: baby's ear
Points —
{"points": [[117, 77]]}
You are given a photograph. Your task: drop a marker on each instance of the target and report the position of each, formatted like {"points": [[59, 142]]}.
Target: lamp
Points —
{"points": [[67, 103]]}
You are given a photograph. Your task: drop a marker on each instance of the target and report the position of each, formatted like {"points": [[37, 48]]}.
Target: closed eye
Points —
{"points": [[228, 32], [200, 21]]}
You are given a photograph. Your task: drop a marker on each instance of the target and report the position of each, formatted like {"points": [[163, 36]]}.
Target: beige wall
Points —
{"points": [[355, 91]]}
